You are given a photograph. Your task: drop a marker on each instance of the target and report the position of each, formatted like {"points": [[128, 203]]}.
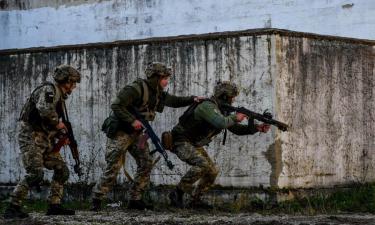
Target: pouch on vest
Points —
{"points": [[29, 112], [188, 113], [167, 140], [110, 126]]}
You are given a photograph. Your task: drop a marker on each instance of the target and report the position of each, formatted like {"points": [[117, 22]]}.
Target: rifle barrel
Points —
{"points": [[265, 119]]}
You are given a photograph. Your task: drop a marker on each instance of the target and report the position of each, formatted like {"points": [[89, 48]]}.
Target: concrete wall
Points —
{"points": [[321, 86], [197, 65], [326, 90], [37, 23]]}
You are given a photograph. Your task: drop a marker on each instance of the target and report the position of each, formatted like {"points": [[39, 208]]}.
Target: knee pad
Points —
{"points": [[214, 171], [35, 177], [65, 175], [205, 167], [61, 175], [147, 166]]}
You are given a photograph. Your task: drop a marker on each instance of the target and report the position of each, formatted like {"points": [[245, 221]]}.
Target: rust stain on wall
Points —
{"points": [[274, 157]]}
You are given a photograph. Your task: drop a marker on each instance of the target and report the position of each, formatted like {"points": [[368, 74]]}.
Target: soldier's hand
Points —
{"points": [[66, 141], [240, 116], [137, 125], [264, 128], [61, 126], [199, 98]]}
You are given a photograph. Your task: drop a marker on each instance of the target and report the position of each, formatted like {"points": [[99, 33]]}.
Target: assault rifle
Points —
{"points": [[154, 138], [64, 136], [266, 117]]}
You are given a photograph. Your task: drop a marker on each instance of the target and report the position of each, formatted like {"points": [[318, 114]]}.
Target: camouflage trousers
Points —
{"points": [[115, 154], [202, 169], [36, 154]]}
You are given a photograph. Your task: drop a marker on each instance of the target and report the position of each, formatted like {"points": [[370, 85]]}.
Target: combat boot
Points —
{"points": [[14, 212], [57, 209], [177, 198], [96, 205], [197, 203], [139, 205]]}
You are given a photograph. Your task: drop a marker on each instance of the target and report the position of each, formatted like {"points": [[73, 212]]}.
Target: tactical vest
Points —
{"points": [[199, 132], [112, 124], [144, 106], [30, 113]]}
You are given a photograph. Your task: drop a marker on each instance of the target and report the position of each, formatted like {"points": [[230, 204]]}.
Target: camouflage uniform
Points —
{"points": [[39, 118], [116, 149], [146, 96], [196, 128]]}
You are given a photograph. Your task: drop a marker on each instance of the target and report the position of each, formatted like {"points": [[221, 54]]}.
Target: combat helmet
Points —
{"points": [[157, 69], [225, 89], [65, 74]]}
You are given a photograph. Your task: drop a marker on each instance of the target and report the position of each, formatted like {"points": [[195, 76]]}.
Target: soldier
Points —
{"points": [[124, 131], [40, 125], [196, 128]]}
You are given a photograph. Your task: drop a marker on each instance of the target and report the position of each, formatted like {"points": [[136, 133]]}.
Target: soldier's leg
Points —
{"points": [[115, 150], [144, 167], [53, 161], [208, 178], [198, 162], [32, 146]]}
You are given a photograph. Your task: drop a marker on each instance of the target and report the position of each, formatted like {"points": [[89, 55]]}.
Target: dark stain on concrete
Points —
{"points": [[368, 82], [3, 4], [148, 19], [274, 157], [34, 4], [254, 42], [347, 6]]}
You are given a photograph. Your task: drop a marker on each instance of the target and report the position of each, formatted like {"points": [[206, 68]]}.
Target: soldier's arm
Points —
{"points": [[210, 113], [240, 129], [45, 103], [178, 101], [127, 96]]}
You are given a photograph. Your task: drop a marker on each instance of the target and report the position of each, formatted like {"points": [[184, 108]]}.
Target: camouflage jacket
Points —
{"points": [[205, 121], [144, 96], [43, 107]]}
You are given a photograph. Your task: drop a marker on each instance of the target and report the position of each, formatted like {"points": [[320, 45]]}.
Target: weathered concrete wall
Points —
{"points": [[321, 86], [37, 23], [326, 91], [197, 65], [7, 5]]}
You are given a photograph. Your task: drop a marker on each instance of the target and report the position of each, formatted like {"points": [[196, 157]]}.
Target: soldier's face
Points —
{"points": [[69, 87], [164, 82], [231, 100]]}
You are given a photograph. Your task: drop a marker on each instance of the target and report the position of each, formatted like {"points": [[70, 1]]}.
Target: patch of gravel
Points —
{"points": [[186, 217]]}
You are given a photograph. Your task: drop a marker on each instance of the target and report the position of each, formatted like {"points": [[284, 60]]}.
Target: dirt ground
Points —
{"points": [[118, 216]]}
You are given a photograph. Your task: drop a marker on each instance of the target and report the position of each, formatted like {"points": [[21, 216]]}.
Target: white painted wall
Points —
{"points": [[112, 20]]}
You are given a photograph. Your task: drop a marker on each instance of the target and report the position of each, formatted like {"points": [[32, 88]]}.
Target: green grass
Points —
{"points": [[41, 206], [357, 198]]}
